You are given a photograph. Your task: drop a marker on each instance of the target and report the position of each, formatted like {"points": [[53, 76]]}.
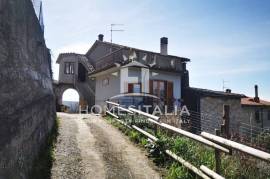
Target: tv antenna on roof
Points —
{"points": [[224, 84], [115, 30]]}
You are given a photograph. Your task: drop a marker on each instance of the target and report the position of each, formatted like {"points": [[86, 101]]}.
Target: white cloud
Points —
{"points": [[76, 48]]}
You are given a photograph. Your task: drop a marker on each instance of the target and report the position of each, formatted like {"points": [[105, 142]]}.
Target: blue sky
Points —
{"points": [[225, 40]]}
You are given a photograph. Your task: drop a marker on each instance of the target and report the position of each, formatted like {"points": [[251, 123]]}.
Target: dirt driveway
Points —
{"points": [[88, 147]]}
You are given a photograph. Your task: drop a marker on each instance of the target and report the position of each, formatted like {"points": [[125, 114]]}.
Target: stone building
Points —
{"points": [[246, 114], [208, 108], [109, 69], [255, 114]]}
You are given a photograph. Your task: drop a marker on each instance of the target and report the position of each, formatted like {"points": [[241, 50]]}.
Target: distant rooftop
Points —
{"points": [[248, 101], [74, 55], [212, 93]]}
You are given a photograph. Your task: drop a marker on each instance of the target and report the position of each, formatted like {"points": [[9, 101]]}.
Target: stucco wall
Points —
{"points": [[130, 75], [168, 76], [104, 92], [27, 108], [135, 75], [212, 113], [67, 78]]}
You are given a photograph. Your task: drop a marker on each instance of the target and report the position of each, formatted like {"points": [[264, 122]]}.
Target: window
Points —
{"points": [[159, 89], [163, 90], [134, 88], [105, 82], [69, 68], [257, 116]]}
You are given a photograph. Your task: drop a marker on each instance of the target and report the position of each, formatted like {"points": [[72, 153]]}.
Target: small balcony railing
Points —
{"points": [[153, 60]]}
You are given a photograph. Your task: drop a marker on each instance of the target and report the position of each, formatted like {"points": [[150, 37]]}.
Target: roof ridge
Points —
{"points": [[71, 53], [147, 51], [217, 92]]}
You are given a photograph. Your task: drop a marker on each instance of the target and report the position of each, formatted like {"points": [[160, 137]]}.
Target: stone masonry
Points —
{"points": [[212, 113], [27, 107]]}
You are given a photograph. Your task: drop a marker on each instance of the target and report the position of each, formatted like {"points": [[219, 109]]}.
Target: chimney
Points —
{"points": [[164, 46], [228, 91], [100, 37], [185, 77], [256, 98]]}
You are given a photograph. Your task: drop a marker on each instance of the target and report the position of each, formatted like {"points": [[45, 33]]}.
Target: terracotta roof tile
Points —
{"points": [[251, 102]]}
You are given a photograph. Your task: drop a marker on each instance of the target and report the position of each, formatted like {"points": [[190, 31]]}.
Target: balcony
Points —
{"points": [[151, 59]]}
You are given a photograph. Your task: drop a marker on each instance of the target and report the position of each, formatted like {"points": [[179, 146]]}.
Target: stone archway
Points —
{"points": [[59, 89], [71, 101], [77, 79]]}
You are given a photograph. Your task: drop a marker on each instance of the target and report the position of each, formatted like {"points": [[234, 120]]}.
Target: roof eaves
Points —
{"points": [[184, 59], [212, 93]]}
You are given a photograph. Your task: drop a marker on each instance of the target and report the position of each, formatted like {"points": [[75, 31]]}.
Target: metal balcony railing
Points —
{"points": [[109, 60], [153, 60]]}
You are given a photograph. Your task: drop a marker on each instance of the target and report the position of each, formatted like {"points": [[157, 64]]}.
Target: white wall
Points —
{"points": [[134, 75], [168, 76], [104, 92]]}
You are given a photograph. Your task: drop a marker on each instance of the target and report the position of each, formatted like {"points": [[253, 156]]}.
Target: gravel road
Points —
{"points": [[88, 147]]}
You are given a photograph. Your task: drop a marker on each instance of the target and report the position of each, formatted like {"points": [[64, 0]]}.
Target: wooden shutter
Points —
{"points": [[151, 86], [130, 88]]}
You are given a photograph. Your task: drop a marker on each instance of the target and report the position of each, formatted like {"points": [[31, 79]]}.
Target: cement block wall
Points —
{"points": [[27, 107]]}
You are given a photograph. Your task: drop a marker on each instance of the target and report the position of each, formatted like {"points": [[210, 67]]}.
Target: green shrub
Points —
{"points": [[237, 166], [134, 136], [177, 171]]}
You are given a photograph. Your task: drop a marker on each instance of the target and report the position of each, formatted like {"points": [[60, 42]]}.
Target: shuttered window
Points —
{"points": [[69, 68], [134, 88], [163, 90]]}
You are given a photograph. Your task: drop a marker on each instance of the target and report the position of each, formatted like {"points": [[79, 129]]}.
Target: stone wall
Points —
{"points": [[249, 124], [212, 113], [27, 108]]}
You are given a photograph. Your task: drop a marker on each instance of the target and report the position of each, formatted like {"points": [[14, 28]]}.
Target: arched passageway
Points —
{"points": [[70, 100]]}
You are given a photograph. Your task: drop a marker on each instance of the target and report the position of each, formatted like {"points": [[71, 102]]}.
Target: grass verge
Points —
{"points": [[237, 166]]}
